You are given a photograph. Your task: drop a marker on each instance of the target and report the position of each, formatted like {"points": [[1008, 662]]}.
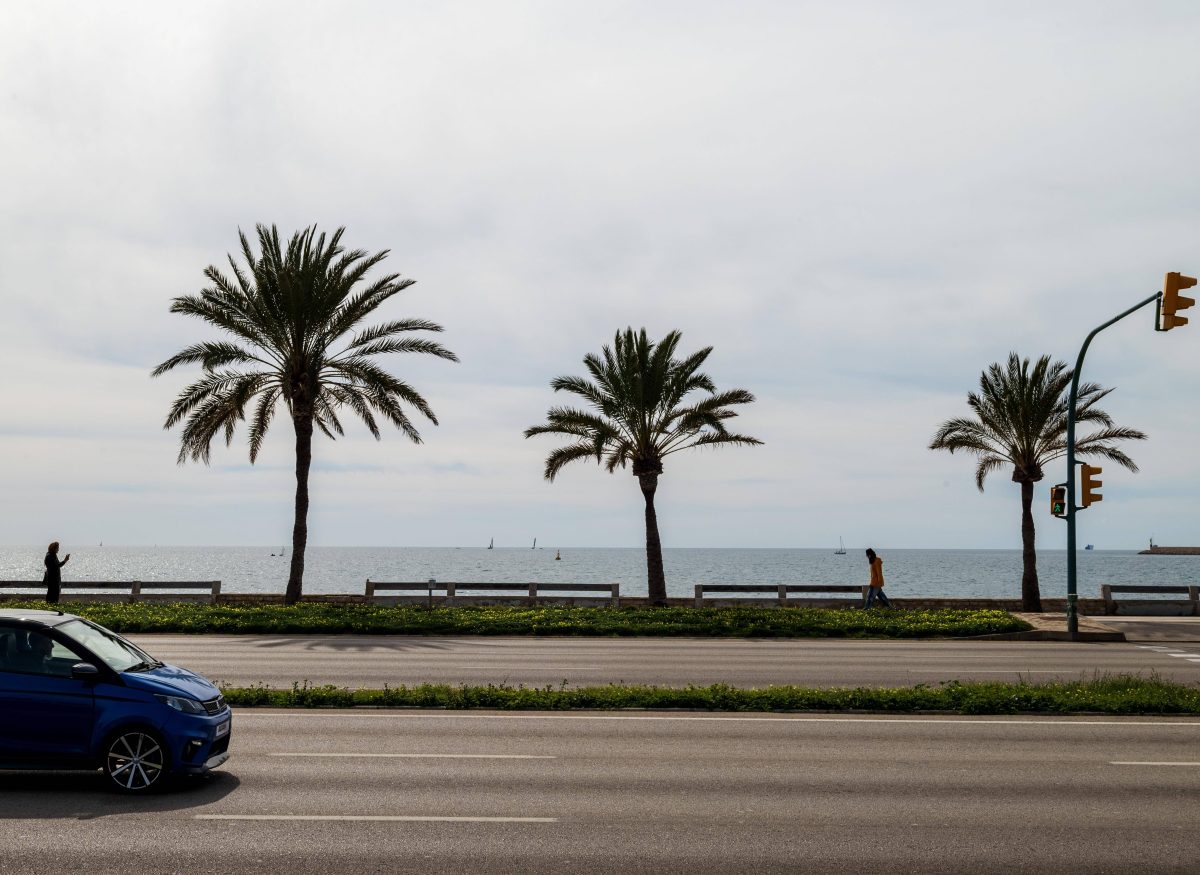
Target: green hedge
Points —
{"points": [[1107, 695], [739, 622]]}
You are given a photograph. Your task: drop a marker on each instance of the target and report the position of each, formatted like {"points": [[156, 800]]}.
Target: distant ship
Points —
{"points": [[1089, 547], [492, 544]]}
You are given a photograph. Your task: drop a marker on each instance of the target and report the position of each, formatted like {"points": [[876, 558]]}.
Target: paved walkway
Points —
{"points": [[1178, 629]]}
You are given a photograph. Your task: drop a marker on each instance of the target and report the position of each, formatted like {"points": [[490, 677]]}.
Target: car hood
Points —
{"points": [[171, 680]]}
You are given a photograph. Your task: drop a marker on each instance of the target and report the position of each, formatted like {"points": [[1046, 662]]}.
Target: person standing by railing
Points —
{"points": [[53, 576], [875, 590]]}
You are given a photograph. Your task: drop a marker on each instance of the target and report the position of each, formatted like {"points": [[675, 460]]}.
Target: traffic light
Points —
{"points": [[1173, 302], [1058, 500], [1090, 485]]}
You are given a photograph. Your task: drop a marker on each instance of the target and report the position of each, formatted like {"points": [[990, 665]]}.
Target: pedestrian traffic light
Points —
{"points": [[1173, 302], [1058, 500], [1091, 485]]}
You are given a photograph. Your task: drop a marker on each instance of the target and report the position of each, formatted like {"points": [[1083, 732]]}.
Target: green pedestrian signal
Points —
{"points": [[1058, 500]]}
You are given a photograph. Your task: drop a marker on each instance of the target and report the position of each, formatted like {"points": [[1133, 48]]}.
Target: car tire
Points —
{"points": [[136, 761]]}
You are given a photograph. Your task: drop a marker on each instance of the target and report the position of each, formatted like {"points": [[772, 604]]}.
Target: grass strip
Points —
{"points": [[1118, 694], [736, 622]]}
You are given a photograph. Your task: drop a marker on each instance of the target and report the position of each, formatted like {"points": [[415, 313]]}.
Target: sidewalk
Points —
{"points": [[1053, 627], [1158, 629]]}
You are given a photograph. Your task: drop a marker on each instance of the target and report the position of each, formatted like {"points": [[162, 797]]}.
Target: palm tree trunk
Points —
{"points": [[1031, 596], [655, 578], [304, 432]]}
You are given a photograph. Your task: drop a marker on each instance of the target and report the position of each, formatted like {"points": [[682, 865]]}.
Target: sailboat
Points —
{"points": [[534, 547], [492, 544], [841, 550]]}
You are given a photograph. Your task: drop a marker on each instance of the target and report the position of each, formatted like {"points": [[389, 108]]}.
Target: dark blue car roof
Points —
{"points": [[29, 615]]}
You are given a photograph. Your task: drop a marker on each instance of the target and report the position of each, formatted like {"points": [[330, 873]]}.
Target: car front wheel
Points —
{"points": [[136, 761]]}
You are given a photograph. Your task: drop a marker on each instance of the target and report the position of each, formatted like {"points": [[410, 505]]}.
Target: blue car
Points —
{"points": [[74, 695]]}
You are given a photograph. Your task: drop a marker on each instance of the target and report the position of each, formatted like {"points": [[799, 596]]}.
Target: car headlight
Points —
{"points": [[186, 706]]}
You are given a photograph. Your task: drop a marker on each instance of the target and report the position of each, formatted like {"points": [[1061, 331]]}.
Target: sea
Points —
{"points": [[909, 572]]}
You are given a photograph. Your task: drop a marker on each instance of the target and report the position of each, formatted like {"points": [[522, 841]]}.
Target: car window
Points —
{"points": [[29, 652], [118, 653]]}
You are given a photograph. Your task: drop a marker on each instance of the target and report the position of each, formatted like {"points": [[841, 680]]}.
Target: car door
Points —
{"points": [[45, 714]]}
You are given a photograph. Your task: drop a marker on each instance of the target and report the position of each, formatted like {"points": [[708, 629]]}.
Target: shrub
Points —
{"points": [[735, 622]]}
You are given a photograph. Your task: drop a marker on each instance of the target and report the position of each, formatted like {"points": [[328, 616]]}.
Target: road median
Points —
{"points": [[1118, 694], [717, 622]]}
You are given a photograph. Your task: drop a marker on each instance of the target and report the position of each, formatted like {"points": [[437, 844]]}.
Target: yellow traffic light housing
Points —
{"points": [[1091, 485], [1058, 500], [1173, 302]]}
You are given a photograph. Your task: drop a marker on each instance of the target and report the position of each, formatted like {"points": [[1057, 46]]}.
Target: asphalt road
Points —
{"points": [[372, 661], [324, 792]]}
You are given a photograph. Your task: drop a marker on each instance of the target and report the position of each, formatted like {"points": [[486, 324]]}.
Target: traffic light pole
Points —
{"points": [[1072, 508]]}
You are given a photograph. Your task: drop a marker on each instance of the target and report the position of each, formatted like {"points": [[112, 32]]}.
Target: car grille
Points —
{"points": [[214, 706]]}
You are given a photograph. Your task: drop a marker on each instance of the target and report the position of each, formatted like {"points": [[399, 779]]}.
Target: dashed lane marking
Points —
{"points": [[427, 756], [377, 818]]}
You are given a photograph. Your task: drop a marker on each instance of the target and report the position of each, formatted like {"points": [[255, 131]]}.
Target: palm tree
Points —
{"points": [[1020, 419], [638, 418], [289, 312]]}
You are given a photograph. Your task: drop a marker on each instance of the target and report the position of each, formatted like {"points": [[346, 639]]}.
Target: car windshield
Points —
{"points": [[116, 652]]}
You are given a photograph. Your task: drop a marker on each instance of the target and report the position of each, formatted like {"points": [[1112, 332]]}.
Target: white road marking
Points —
{"points": [[421, 715], [1152, 764], [427, 756], [999, 670], [380, 818]]}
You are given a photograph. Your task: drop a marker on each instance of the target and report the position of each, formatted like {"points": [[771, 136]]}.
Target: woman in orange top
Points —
{"points": [[875, 591]]}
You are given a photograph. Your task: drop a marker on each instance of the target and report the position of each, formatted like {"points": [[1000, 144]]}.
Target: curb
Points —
{"points": [[1051, 635]]}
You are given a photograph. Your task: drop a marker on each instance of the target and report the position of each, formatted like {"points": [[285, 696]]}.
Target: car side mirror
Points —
{"points": [[84, 671]]}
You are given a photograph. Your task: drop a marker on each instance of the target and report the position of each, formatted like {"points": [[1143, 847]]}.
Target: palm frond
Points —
{"points": [[564, 456], [285, 305], [1020, 418], [636, 389], [985, 466]]}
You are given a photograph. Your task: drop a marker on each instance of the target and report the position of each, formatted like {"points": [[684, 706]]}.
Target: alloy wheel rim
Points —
{"points": [[135, 761]]}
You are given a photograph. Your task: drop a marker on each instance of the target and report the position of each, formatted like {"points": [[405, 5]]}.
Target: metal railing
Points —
{"points": [[135, 587], [533, 592], [780, 590], [1192, 592]]}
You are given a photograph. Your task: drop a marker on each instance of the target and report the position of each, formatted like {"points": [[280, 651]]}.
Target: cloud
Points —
{"points": [[859, 206]]}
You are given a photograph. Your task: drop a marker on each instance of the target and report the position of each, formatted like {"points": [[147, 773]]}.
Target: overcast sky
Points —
{"points": [[858, 205]]}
